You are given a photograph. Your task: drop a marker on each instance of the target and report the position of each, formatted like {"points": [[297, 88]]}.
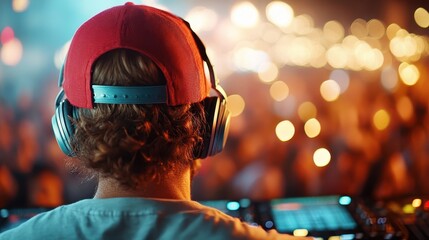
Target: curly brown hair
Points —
{"points": [[134, 143]]}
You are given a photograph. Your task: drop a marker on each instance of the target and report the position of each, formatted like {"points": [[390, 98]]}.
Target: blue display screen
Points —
{"points": [[312, 213]]}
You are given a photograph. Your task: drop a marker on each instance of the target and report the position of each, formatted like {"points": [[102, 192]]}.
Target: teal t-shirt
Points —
{"points": [[135, 218]]}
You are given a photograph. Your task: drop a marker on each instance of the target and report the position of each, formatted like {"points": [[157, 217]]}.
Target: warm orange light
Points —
{"points": [[20, 5], [268, 72], [279, 13], [408, 208], [405, 108], [202, 18], [321, 157], [236, 104], [392, 29], [312, 128], [285, 130], [337, 56], [409, 73], [330, 90], [300, 232], [279, 91], [307, 110], [389, 78], [302, 24], [12, 51], [381, 119], [375, 28], [333, 31], [244, 14], [416, 203], [421, 16], [358, 28]]}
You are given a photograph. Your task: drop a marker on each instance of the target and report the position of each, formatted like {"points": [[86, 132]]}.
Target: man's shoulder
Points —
{"points": [[135, 218], [42, 224]]}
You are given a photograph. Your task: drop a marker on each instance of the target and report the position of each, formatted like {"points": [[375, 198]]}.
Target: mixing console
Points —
{"points": [[335, 217], [323, 217]]}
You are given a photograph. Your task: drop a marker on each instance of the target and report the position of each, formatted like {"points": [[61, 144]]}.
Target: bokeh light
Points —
{"points": [[421, 16], [271, 33], [245, 15], [279, 13], [381, 119], [302, 24], [321, 157], [389, 78], [409, 73], [268, 72], [372, 59], [281, 49], [375, 28], [333, 31], [337, 56], [318, 58], [345, 200], [279, 91], [300, 232], [249, 59], [405, 108], [12, 51], [202, 19], [307, 110], [403, 47], [358, 28], [236, 104], [342, 78], [330, 90], [6, 35], [408, 209], [391, 30], [300, 51], [20, 5], [285, 130], [416, 203], [312, 128]]}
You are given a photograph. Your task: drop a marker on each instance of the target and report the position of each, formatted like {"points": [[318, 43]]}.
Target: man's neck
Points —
{"points": [[172, 186]]}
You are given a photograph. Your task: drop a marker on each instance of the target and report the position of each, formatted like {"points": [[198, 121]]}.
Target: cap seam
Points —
{"points": [[123, 28], [167, 17]]}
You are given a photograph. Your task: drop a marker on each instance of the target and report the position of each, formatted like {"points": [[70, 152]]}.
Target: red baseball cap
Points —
{"points": [[157, 34]]}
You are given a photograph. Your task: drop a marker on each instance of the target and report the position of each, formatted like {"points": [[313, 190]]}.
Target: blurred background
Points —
{"points": [[328, 97]]}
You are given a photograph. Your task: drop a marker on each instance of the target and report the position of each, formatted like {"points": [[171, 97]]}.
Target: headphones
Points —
{"points": [[215, 107]]}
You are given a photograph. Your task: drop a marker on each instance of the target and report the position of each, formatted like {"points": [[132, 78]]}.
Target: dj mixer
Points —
{"points": [[322, 217], [335, 217]]}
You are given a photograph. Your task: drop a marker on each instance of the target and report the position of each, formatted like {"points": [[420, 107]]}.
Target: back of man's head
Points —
{"points": [[135, 142], [137, 98]]}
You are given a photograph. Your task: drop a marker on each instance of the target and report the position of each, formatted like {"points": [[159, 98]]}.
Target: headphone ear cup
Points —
{"points": [[62, 125], [217, 118], [222, 128]]}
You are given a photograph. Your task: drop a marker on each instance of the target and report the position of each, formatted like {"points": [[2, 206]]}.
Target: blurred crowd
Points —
{"points": [[32, 167], [365, 161]]}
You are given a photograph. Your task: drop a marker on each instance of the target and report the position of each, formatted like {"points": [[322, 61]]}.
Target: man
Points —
{"points": [[138, 114]]}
